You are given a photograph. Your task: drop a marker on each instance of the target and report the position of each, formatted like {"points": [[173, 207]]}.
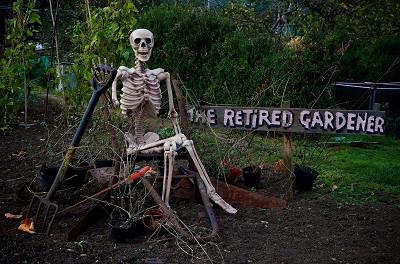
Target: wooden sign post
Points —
{"points": [[287, 160], [290, 120]]}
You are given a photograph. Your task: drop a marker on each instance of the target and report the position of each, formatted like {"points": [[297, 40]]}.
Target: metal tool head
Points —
{"points": [[103, 76], [43, 212]]}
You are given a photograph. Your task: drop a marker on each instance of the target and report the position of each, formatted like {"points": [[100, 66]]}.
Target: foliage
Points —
{"points": [[379, 62], [372, 62], [311, 69], [310, 150], [160, 20], [166, 132], [272, 19], [369, 20], [219, 64], [186, 49], [17, 62], [104, 35], [255, 53], [239, 70], [214, 60], [10, 90]]}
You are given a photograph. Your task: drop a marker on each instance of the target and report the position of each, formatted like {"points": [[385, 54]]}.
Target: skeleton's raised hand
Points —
{"points": [[101, 76]]}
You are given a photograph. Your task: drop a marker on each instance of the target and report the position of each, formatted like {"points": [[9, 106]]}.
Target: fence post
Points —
{"points": [[287, 160]]}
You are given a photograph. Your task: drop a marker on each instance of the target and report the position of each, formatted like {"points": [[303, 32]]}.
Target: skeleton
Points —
{"points": [[141, 95]]}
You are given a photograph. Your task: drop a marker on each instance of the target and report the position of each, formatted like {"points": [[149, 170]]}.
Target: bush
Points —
{"points": [[239, 70], [10, 93], [185, 42], [219, 64], [372, 62], [302, 71]]}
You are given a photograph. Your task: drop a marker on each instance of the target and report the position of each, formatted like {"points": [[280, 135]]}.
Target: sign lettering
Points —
{"points": [[290, 120]]}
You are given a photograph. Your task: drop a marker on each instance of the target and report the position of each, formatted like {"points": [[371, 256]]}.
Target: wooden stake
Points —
{"points": [[287, 160], [25, 97]]}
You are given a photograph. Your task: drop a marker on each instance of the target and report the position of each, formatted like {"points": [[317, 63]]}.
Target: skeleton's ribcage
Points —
{"points": [[140, 92]]}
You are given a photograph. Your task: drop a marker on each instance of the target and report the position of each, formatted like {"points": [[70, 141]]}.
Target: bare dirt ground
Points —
{"points": [[314, 228]]}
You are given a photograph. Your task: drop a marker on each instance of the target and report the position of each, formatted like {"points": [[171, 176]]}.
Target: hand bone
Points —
{"points": [[180, 139], [101, 76]]}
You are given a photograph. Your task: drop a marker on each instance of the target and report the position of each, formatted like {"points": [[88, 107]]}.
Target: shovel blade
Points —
{"points": [[43, 212]]}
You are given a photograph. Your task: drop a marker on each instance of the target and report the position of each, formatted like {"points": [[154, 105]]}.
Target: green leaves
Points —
{"points": [[107, 34], [34, 17], [17, 55]]}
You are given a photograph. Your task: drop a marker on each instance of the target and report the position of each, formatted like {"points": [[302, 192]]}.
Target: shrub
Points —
{"points": [[219, 64], [372, 62]]}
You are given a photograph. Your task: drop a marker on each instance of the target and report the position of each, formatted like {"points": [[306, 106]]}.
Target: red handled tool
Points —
{"points": [[135, 175]]}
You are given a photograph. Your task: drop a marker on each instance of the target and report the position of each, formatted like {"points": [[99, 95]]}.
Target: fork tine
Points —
{"points": [[44, 220], [41, 215], [50, 224]]}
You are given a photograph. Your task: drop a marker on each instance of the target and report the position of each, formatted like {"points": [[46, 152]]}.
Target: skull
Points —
{"points": [[142, 41]]}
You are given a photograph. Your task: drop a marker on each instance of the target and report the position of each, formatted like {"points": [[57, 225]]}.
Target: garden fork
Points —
{"points": [[42, 209]]}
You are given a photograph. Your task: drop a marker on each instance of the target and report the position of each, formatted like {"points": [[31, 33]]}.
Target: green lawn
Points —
{"points": [[374, 165]]}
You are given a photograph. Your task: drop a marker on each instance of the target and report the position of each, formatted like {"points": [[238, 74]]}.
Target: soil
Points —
{"points": [[315, 228]]}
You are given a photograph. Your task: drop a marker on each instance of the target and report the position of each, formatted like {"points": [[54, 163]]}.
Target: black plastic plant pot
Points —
{"points": [[304, 178], [74, 177], [125, 230], [47, 175], [99, 163], [161, 168], [251, 176]]}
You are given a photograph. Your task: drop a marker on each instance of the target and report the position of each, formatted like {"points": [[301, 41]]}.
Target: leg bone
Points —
{"points": [[205, 178], [170, 153]]}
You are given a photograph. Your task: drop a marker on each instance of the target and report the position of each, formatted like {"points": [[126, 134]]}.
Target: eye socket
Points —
{"points": [[148, 40], [137, 40]]}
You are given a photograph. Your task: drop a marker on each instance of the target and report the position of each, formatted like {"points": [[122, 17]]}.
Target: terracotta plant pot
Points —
{"points": [[152, 220], [233, 174]]}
